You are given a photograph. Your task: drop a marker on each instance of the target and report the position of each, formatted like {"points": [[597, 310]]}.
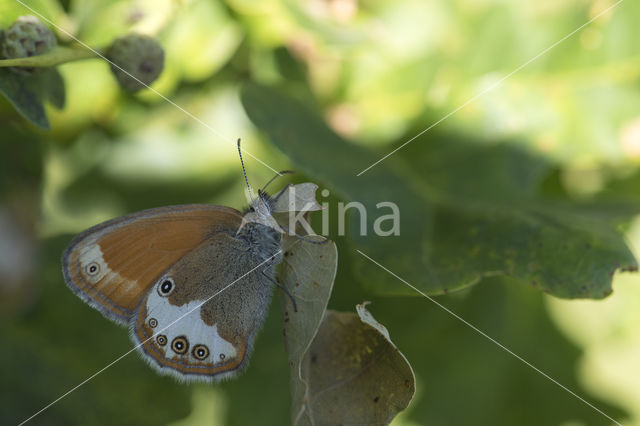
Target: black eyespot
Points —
{"points": [[161, 339], [180, 345], [222, 356], [153, 323], [200, 352], [166, 287], [93, 268]]}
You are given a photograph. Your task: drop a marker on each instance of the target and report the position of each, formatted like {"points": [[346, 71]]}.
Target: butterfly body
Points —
{"points": [[193, 283]]}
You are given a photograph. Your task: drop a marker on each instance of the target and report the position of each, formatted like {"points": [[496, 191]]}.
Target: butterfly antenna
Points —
{"points": [[246, 180]]}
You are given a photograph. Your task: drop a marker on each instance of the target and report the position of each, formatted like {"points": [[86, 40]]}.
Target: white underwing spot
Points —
{"points": [[93, 265], [190, 327]]}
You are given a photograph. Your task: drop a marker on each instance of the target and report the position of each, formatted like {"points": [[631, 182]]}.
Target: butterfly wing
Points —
{"points": [[199, 319], [112, 265]]}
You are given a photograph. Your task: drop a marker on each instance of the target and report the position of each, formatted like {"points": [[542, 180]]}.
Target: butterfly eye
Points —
{"points": [[161, 339], [180, 345], [166, 287], [200, 352], [92, 269]]}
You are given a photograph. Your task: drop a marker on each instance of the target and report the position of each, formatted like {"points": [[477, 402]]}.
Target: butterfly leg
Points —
{"points": [[275, 281], [281, 193], [280, 173], [303, 237]]}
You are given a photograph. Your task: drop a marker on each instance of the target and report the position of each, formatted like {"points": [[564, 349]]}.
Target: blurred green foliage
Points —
{"points": [[535, 181], [476, 212]]}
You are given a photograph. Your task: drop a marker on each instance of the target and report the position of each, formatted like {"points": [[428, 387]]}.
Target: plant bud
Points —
{"points": [[139, 61], [26, 37]]}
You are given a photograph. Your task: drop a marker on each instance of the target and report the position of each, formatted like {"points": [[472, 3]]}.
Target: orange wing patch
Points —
{"points": [[112, 265]]}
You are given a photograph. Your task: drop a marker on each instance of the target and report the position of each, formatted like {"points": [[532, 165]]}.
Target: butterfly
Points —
{"points": [[192, 282]]}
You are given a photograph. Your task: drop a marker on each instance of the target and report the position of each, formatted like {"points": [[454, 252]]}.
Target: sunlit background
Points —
{"points": [[378, 72]]}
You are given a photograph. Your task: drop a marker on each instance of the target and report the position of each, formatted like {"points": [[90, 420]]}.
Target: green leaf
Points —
{"points": [[466, 211], [355, 374], [308, 272], [494, 219], [27, 92], [49, 85], [16, 89]]}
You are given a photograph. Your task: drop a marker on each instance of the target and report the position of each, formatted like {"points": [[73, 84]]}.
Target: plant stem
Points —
{"points": [[57, 56]]}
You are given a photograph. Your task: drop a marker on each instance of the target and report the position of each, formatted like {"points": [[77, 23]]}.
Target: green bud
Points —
{"points": [[27, 36], [140, 56]]}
